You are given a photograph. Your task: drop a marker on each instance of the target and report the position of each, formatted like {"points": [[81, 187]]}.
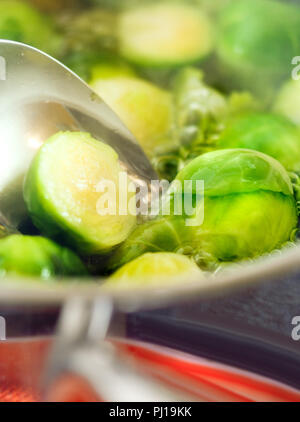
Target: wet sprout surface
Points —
{"points": [[210, 92]]}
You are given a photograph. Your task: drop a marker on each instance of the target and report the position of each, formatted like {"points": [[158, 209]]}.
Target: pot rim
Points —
{"points": [[29, 291]]}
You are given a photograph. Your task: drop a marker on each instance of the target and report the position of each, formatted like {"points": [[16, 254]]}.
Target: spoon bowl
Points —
{"points": [[39, 97]]}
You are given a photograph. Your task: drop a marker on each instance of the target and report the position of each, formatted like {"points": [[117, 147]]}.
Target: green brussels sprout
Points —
{"points": [[265, 132], [81, 62], [144, 108], [258, 39], [200, 115], [199, 108], [155, 268], [88, 36], [64, 197], [21, 22], [249, 210], [37, 256], [165, 34], [90, 40], [287, 102], [165, 234]]}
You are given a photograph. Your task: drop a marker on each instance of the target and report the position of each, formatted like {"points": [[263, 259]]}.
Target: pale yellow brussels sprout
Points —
{"points": [[165, 34], [287, 102], [109, 69], [144, 108], [156, 268], [67, 192]]}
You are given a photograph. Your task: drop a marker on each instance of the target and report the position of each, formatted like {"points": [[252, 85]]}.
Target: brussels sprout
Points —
{"points": [[165, 34], [92, 65], [159, 235], [199, 108], [249, 210], [287, 102], [258, 39], [21, 22], [200, 115], [37, 256], [64, 197], [81, 62], [110, 69], [91, 32], [268, 133], [154, 268], [144, 108]]}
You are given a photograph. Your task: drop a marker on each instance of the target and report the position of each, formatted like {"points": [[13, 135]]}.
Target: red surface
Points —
{"points": [[71, 388], [17, 394], [240, 384], [22, 363]]}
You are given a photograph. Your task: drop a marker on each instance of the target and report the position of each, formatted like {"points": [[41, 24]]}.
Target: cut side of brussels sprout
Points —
{"points": [[72, 193], [144, 108], [92, 65], [268, 133], [37, 256], [165, 34], [155, 268], [249, 210], [21, 22], [287, 102], [107, 70]]}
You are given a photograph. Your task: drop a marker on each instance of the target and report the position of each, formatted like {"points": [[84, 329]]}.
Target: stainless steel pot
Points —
{"points": [[88, 307]]}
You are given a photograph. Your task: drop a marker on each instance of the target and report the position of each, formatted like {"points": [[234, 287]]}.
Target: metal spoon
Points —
{"points": [[39, 97]]}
